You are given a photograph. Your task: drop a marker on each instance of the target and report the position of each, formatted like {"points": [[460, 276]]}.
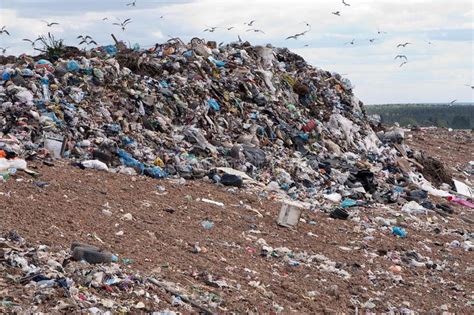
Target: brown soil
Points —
{"points": [[165, 227]]}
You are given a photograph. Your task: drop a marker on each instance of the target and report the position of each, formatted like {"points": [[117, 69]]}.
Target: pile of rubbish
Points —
{"points": [[86, 278], [197, 110]]}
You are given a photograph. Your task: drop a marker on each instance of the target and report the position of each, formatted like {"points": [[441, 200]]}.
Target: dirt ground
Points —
{"points": [[167, 223]]}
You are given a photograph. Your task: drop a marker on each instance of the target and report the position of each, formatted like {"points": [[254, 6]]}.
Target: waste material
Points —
{"points": [[256, 119]]}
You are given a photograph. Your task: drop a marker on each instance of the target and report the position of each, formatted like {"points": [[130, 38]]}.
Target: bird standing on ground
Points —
{"points": [[123, 24], [403, 44], [132, 4], [255, 30], [338, 13], [401, 56], [4, 30], [49, 24], [345, 3], [402, 64]]}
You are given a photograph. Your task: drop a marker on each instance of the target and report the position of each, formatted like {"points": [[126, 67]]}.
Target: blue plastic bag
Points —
{"points": [[72, 66], [213, 104], [347, 203], [396, 230], [155, 172], [128, 160]]}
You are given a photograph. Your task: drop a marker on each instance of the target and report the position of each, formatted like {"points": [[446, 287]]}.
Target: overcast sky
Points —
{"points": [[436, 72]]}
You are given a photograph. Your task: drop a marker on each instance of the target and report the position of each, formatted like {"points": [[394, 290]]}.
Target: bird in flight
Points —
{"points": [[471, 86], [403, 45], [345, 3], [352, 42], [250, 23], [105, 19], [307, 24], [403, 63], [4, 50], [32, 42], [401, 56], [123, 24], [132, 4], [49, 24], [296, 35], [372, 40], [429, 43], [452, 102], [338, 13], [255, 30], [210, 29], [4, 30], [229, 28], [86, 40], [381, 32]]}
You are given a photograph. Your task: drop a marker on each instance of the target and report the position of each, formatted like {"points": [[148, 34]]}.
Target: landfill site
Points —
{"points": [[204, 178]]}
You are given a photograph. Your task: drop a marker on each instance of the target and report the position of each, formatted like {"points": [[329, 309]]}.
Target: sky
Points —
{"points": [[440, 56]]}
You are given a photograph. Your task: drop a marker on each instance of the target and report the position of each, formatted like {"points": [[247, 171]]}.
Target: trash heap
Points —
{"points": [[197, 110], [48, 279]]}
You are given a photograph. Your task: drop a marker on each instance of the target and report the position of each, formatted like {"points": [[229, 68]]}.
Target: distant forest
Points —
{"points": [[425, 115]]}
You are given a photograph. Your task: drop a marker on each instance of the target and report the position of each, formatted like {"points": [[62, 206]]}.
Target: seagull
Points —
{"points": [[345, 3], [403, 63], [255, 30], [307, 24], [307, 45], [133, 3], [4, 50], [452, 102], [210, 29], [401, 56], [4, 30], [250, 23], [123, 24], [381, 32], [471, 86], [403, 45], [105, 19], [296, 35], [338, 13], [49, 24], [372, 40], [162, 16], [229, 28], [429, 43], [32, 42], [351, 42], [240, 39], [86, 40]]}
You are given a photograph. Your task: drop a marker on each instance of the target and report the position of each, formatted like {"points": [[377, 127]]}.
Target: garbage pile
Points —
{"points": [[41, 280], [197, 110], [183, 109]]}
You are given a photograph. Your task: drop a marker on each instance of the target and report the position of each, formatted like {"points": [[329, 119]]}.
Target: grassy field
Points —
{"points": [[440, 115]]}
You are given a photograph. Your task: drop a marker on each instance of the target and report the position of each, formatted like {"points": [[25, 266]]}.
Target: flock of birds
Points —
{"points": [[122, 24]]}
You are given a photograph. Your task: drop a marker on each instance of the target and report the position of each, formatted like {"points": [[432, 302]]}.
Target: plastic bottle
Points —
{"points": [[92, 254]]}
